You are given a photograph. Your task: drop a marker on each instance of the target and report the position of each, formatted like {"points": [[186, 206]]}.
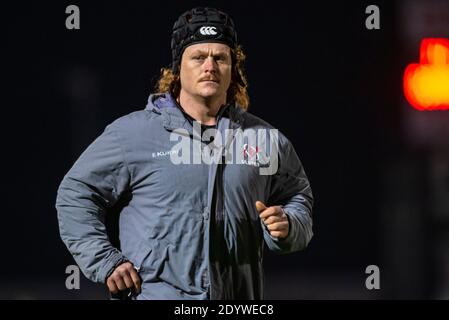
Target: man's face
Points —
{"points": [[206, 70]]}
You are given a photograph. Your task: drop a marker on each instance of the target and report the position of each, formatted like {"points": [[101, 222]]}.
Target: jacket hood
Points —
{"points": [[164, 104], [160, 101]]}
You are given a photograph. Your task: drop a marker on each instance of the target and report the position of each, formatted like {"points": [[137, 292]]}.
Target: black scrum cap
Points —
{"points": [[201, 25]]}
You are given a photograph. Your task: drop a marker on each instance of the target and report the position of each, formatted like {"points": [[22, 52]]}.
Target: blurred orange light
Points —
{"points": [[426, 85]]}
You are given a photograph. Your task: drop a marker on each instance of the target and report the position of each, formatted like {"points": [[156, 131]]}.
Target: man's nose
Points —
{"points": [[210, 65]]}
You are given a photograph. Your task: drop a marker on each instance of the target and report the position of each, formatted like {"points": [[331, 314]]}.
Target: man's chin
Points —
{"points": [[209, 94]]}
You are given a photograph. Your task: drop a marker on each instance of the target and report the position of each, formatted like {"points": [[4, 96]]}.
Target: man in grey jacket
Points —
{"points": [[200, 188]]}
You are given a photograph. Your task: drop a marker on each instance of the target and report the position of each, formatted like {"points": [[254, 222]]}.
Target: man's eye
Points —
{"points": [[198, 58], [223, 59]]}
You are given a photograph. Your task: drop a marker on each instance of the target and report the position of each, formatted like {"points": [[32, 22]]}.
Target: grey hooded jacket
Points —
{"points": [[191, 229]]}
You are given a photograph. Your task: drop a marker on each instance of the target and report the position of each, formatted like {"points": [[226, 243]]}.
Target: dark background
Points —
{"points": [[315, 72]]}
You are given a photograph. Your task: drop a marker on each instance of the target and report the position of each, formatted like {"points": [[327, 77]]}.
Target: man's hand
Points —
{"points": [[275, 219], [124, 277]]}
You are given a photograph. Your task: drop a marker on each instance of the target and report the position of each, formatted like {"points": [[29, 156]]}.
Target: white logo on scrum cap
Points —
{"points": [[208, 31]]}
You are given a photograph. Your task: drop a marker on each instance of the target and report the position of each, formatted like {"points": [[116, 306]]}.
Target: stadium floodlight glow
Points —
{"points": [[426, 84]]}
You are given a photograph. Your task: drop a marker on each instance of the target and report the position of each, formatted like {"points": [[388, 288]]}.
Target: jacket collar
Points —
{"points": [[173, 118]]}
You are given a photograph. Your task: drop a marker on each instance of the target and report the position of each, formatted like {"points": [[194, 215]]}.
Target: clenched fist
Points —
{"points": [[275, 219], [124, 277]]}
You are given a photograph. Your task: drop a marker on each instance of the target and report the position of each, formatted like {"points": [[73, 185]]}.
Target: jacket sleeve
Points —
{"points": [[91, 186], [291, 189]]}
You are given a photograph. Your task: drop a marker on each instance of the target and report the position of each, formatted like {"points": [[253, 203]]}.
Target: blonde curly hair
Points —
{"points": [[238, 88]]}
